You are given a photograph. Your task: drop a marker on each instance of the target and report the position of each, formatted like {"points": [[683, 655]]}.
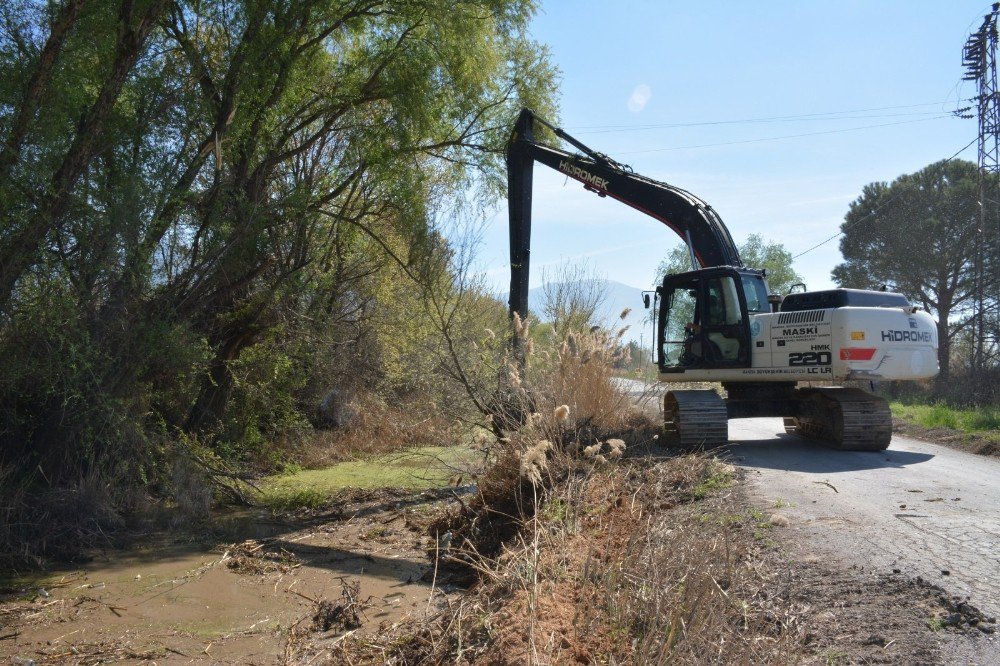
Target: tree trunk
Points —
{"points": [[944, 354], [217, 386]]}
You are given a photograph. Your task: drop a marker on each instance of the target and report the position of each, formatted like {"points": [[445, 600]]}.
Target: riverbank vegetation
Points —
{"points": [[227, 226]]}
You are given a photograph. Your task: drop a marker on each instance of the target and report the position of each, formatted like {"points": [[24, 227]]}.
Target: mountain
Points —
{"points": [[619, 297]]}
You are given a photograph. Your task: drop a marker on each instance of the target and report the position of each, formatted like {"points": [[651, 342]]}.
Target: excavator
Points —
{"points": [[720, 322]]}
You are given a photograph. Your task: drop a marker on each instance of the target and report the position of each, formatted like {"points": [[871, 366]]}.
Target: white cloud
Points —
{"points": [[640, 96]]}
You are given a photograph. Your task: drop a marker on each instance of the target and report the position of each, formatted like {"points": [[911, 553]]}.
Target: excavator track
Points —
{"points": [[846, 419], [695, 419]]}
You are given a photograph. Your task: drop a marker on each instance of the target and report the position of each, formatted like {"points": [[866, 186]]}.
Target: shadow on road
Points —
{"points": [[795, 454]]}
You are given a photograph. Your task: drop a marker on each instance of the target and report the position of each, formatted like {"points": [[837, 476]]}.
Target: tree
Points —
{"points": [[573, 294], [917, 235], [121, 32], [190, 189], [772, 257], [755, 253]]}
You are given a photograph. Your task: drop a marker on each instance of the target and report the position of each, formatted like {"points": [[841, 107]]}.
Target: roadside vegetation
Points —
{"points": [[985, 420], [974, 429], [229, 234], [619, 561], [586, 541], [582, 538]]}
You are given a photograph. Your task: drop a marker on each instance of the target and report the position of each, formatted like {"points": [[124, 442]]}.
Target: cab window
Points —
{"points": [[756, 294]]}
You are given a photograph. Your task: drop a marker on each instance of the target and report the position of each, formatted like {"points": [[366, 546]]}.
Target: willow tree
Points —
{"points": [[182, 181]]}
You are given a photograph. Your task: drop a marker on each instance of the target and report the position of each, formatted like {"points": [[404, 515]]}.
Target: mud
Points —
{"points": [[243, 599], [300, 588]]}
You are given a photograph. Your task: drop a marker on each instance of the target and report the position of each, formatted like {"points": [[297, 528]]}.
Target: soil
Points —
{"points": [[238, 599], [300, 588], [848, 615]]}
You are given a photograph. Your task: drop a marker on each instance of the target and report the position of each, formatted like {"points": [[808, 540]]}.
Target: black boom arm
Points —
{"points": [[687, 215]]}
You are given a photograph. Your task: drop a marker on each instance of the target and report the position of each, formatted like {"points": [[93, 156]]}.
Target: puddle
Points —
{"points": [[176, 603]]}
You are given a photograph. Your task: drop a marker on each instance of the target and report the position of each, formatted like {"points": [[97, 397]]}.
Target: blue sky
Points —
{"points": [[737, 80]]}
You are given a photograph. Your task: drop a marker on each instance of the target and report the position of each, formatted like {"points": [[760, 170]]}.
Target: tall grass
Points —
{"points": [[557, 402]]}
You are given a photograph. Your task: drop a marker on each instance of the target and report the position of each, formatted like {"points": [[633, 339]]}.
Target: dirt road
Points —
{"points": [[923, 509], [918, 508]]}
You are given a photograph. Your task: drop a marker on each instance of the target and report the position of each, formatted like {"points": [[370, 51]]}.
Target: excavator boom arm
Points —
{"points": [[687, 215]]}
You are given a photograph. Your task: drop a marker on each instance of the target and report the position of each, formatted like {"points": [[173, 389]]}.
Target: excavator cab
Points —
{"points": [[704, 318]]}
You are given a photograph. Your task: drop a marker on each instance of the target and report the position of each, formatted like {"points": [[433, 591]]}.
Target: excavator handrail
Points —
{"points": [[688, 216]]}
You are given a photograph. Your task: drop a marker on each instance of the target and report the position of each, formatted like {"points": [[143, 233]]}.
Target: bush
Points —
{"points": [[559, 413]]}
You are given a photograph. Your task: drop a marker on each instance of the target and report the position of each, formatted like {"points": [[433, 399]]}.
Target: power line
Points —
{"points": [[756, 121], [848, 225], [805, 116], [782, 138]]}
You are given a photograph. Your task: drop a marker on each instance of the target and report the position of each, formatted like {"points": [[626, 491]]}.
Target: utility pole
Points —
{"points": [[979, 59]]}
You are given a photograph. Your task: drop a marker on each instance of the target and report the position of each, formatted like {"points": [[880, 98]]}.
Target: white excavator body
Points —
{"points": [[830, 345]]}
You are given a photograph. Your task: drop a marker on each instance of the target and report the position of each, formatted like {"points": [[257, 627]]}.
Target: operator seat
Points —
{"points": [[723, 311]]}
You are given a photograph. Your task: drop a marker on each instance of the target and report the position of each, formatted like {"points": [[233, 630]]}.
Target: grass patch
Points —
{"points": [[834, 657], [936, 624], [413, 469], [555, 511], [289, 499], [978, 421], [721, 477]]}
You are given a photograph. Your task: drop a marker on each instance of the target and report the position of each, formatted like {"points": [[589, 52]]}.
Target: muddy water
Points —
{"points": [[172, 604]]}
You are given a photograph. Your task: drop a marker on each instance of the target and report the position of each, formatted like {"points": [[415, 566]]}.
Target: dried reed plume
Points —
{"points": [[561, 413], [513, 374], [591, 450], [534, 461], [625, 313], [520, 325], [617, 448]]}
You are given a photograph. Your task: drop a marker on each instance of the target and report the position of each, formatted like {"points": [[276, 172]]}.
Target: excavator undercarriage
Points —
{"points": [[847, 419]]}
